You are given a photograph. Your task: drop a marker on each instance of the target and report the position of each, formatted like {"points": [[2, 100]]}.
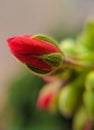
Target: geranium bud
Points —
{"points": [[39, 55], [69, 99], [44, 101], [81, 120], [47, 99], [90, 81], [88, 99]]}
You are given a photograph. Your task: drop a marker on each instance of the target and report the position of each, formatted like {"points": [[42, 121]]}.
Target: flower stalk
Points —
{"points": [[77, 64]]}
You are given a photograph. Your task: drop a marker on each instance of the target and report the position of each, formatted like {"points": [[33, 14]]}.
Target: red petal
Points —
{"points": [[33, 61], [44, 101], [28, 45]]}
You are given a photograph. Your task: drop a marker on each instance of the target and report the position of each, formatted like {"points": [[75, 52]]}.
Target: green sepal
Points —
{"points": [[37, 70], [54, 59], [46, 38]]}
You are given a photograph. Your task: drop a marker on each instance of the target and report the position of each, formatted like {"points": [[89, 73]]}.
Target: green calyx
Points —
{"points": [[54, 59], [47, 39], [37, 70]]}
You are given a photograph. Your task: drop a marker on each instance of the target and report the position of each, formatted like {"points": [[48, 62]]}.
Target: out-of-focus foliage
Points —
{"points": [[22, 113]]}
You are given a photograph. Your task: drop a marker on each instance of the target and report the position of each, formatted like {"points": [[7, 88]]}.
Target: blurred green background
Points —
{"points": [[21, 111], [57, 18]]}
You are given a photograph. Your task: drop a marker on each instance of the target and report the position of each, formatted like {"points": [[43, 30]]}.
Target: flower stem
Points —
{"points": [[76, 64]]}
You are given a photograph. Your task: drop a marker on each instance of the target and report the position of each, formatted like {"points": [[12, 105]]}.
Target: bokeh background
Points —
{"points": [[52, 17]]}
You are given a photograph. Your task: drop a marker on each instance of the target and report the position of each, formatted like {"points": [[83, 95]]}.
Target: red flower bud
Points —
{"points": [[47, 98], [44, 101], [30, 50]]}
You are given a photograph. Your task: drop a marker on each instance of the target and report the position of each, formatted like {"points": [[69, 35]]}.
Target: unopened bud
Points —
{"points": [[81, 120], [40, 53], [88, 99], [47, 99], [69, 99], [90, 81]]}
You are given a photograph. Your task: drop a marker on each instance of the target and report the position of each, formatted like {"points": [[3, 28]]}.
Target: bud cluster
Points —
{"points": [[69, 71]]}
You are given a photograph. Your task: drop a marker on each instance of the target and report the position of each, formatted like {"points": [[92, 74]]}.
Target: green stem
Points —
{"points": [[76, 64]]}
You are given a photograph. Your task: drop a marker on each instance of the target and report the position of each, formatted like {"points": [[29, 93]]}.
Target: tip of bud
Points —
{"points": [[44, 101], [10, 39]]}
